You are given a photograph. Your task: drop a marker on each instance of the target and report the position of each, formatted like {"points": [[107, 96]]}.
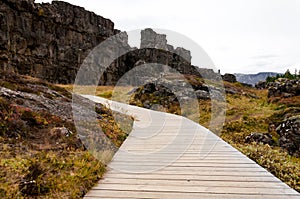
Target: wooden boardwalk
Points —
{"points": [[168, 156]]}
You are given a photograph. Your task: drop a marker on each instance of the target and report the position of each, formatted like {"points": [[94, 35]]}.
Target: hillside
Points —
{"points": [[41, 153], [253, 78]]}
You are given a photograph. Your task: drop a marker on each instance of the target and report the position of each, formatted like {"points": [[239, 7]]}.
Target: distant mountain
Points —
{"points": [[253, 78]]}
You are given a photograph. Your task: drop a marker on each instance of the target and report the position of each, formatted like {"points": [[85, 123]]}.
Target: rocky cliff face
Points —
{"points": [[154, 48], [151, 39], [48, 41], [289, 132]]}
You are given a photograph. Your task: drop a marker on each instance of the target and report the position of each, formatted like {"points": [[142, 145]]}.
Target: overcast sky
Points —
{"points": [[240, 36]]}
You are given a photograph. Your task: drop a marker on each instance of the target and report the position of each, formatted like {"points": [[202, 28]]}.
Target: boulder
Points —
{"points": [[186, 54], [261, 85], [60, 132], [229, 78], [289, 132], [260, 138]]}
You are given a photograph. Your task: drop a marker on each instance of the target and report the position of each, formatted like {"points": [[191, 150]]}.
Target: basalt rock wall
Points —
{"points": [[48, 41], [51, 41]]}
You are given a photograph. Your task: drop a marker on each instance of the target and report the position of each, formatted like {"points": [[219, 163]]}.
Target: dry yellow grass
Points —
{"points": [[102, 91], [37, 163]]}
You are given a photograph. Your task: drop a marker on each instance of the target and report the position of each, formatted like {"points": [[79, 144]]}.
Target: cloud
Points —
{"points": [[263, 64], [270, 56]]}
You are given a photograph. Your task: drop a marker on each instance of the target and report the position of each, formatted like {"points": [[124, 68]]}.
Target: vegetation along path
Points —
{"points": [[169, 156]]}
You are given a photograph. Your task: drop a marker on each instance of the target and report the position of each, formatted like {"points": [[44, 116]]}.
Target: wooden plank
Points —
{"points": [[185, 164], [206, 177], [191, 189], [209, 169], [96, 194], [194, 183], [202, 173], [190, 161]]}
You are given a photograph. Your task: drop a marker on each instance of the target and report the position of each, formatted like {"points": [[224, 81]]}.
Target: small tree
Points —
{"points": [[288, 75], [271, 79]]}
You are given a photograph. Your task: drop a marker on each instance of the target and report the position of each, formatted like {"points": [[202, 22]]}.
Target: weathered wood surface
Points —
{"points": [[168, 156]]}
